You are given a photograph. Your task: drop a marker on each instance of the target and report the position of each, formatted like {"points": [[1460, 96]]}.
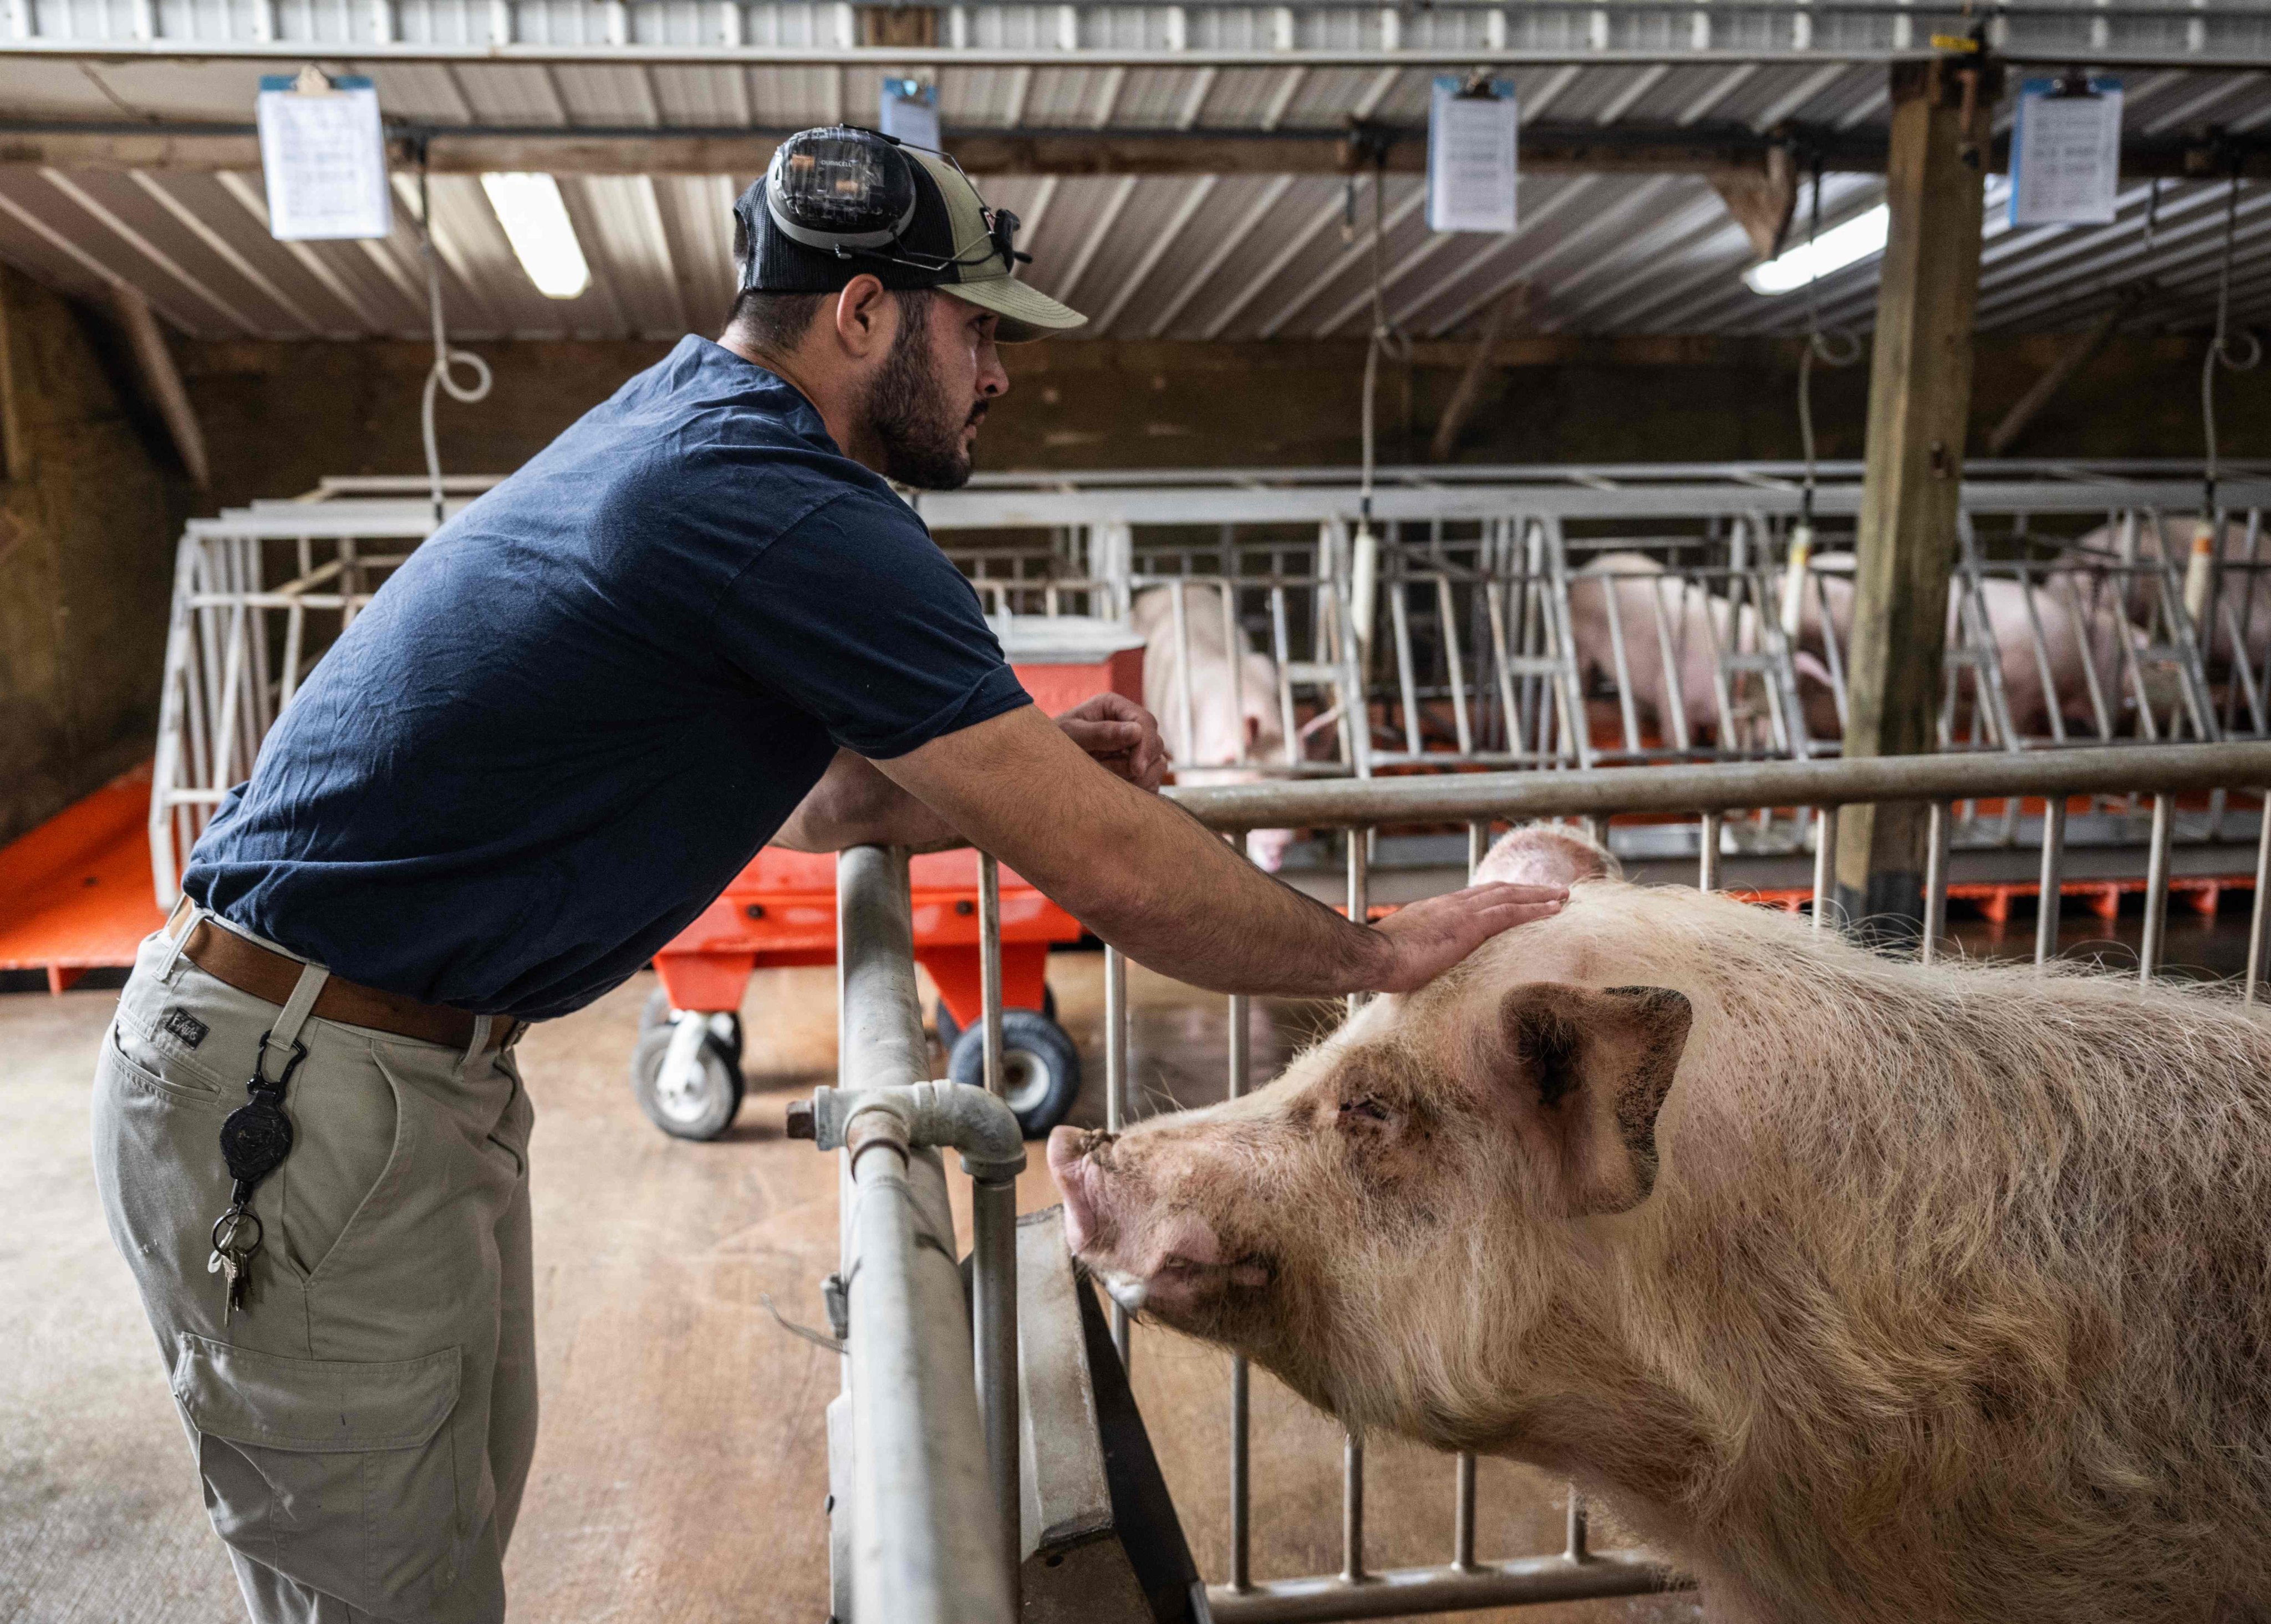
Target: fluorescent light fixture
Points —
{"points": [[1833, 251], [536, 224]]}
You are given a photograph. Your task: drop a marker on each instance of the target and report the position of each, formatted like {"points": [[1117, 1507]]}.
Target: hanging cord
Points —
{"points": [[2200, 569], [1835, 346], [1384, 338], [444, 358], [2221, 351]]}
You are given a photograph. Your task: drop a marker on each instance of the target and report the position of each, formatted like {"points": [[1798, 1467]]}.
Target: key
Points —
{"points": [[232, 1274]]}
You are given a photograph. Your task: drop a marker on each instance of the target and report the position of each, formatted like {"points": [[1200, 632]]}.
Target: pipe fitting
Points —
{"points": [[945, 1115]]}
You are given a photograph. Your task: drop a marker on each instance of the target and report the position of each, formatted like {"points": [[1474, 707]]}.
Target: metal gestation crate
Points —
{"points": [[922, 1431], [1475, 665], [1457, 637]]}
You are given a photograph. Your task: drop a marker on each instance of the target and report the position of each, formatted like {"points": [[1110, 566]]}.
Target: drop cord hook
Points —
{"points": [[444, 358]]}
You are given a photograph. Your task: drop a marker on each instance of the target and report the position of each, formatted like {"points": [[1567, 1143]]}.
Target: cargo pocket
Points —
{"points": [[337, 1474]]}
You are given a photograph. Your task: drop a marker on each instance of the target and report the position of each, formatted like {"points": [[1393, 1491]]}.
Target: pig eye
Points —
{"points": [[1367, 1110]]}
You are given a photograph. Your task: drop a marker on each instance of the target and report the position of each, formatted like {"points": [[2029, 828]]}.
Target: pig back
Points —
{"points": [[1965, 1267]]}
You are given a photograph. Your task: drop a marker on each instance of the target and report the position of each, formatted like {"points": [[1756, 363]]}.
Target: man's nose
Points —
{"points": [[993, 376]]}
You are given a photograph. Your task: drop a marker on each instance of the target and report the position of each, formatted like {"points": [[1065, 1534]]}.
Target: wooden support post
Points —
{"points": [[1919, 394]]}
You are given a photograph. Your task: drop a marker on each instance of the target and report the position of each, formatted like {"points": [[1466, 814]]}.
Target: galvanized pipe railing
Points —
{"points": [[1707, 793], [932, 1389]]}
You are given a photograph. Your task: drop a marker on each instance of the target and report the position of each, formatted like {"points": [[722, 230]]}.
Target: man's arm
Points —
{"points": [[854, 804], [1154, 882]]}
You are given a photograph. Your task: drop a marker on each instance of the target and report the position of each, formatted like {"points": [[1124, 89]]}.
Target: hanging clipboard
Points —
{"points": [[1472, 131], [2066, 152], [323, 154]]}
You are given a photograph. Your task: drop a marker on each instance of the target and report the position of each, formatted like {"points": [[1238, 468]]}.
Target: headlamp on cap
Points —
{"points": [[840, 191]]}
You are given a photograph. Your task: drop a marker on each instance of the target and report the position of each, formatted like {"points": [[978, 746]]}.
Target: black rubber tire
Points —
{"points": [[657, 1012], [706, 1117], [1042, 1064], [950, 1029]]}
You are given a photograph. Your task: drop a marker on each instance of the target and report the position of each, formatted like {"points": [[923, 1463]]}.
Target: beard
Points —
{"points": [[917, 426]]}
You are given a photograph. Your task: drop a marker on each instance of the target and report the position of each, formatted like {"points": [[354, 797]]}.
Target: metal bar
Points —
{"points": [[715, 53], [1359, 894], [1478, 834], [1399, 616], [2261, 913], [1825, 865], [1351, 1510], [1454, 663], [2050, 894], [1707, 852], [989, 966], [1400, 1592], [1935, 881], [1462, 1515], [1115, 1088], [2150, 951], [1578, 1530], [925, 1539], [1507, 796], [993, 1248], [1241, 1490]]}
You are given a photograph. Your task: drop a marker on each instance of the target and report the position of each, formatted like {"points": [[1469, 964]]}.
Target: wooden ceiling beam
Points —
{"points": [[1714, 152]]}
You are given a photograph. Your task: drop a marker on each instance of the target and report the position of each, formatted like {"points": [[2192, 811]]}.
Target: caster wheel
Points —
{"points": [[657, 1012], [699, 1097], [1039, 1066], [950, 1029]]}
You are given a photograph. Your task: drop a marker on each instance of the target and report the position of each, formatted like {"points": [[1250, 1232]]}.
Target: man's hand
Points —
{"points": [[1120, 736], [1429, 937]]}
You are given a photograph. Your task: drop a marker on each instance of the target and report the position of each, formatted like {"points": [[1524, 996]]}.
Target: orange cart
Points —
{"points": [[780, 911]]}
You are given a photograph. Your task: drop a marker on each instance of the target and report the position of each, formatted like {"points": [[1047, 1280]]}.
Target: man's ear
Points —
{"points": [[864, 317], [1583, 1071]]}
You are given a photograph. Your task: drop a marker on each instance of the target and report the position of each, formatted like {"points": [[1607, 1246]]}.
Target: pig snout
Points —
{"points": [[1167, 1260]]}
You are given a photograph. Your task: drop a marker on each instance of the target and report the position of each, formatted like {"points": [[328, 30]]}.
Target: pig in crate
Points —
{"points": [[1863, 1290]]}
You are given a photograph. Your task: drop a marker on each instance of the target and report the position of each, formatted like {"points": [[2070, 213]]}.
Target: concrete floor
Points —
{"points": [[681, 1466]]}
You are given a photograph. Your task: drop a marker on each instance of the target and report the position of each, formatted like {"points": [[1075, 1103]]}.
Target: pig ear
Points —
{"points": [[1586, 1070]]}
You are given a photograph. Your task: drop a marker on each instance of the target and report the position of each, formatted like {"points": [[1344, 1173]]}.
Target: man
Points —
{"points": [[698, 621]]}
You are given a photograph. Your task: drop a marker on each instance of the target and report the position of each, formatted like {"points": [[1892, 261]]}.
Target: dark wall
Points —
{"points": [[92, 503], [89, 506], [279, 416]]}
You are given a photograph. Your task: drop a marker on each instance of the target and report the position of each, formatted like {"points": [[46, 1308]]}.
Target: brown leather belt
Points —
{"points": [[271, 977]]}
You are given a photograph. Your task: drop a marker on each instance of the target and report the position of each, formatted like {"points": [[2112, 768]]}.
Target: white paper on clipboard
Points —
{"points": [[2065, 153], [1470, 156], [323, 157], [910, 112]]}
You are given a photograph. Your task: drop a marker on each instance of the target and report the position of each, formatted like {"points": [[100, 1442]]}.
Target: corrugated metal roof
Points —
{"points": [[1201, 256]]}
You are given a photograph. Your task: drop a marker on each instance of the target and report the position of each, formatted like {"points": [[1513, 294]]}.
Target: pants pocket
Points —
{"points": [[338, 1474]]}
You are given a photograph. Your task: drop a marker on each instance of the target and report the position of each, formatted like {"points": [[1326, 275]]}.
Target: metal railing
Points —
{"points": [[1475, 619], [924, 1511]]}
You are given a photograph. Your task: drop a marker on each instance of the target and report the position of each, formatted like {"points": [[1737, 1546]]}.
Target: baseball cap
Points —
{"points": [[841, 202]]}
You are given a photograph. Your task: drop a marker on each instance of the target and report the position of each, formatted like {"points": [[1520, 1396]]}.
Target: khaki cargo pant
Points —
{"points": [[363, 1424]]}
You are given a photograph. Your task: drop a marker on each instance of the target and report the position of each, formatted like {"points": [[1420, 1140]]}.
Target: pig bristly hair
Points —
{"points": [[1944, 1264], [1947, 1294]]}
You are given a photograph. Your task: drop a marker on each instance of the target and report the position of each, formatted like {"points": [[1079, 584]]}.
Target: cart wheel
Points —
{"points": [[950, 1029], [657, 1012], [1039, 1067], [702, 1100]]}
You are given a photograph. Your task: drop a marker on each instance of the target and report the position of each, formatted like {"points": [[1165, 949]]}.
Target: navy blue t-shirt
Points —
{"points": [[581, 707]]}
